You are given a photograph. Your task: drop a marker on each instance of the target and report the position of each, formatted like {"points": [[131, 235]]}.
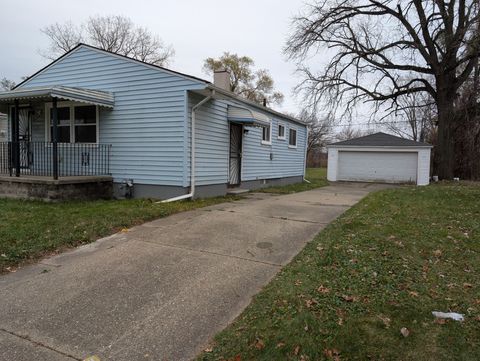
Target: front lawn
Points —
{"points": [[317, 177], [384, 266], [31, 229]]}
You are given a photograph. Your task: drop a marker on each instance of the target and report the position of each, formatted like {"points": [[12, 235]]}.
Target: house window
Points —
{"points": [[76, 124], [85, 124], [63, 130], [281, 131], [292, 138], [267, 134]]}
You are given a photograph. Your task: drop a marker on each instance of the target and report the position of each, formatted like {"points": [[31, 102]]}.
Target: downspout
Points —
{"points": [[192, 152], [305, 164]]}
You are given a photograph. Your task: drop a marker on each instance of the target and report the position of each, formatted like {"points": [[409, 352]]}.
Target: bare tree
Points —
{"points": [[319, 130], [417, 114], [63, 38], [349, 132], [117, 34], [6, 84], [381, 50], [255, 85]]}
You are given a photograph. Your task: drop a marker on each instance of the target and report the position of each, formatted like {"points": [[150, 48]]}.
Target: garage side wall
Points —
{"points": [[423, 175], [332, 168]]}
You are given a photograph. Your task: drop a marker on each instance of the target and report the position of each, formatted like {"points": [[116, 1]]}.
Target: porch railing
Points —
{"points": [[36, 159]]}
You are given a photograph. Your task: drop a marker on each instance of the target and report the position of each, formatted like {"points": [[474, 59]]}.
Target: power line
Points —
{"points": [[370, 123]]}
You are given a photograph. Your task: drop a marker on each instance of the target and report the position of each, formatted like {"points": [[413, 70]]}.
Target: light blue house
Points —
{"points": [[95, 118]]}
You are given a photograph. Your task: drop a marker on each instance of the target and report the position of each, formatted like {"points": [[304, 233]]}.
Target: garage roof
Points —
{"points": [[380, 140]]}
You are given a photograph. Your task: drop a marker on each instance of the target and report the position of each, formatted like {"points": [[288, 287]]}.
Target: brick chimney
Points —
{"points": [[221, 79]]}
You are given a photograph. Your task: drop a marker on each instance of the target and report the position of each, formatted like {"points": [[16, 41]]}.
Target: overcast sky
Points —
{"points": [[196, 30]]}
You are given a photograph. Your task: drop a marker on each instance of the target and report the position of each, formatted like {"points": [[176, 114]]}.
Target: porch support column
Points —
{"points": [[55, 138], [16, 138]]}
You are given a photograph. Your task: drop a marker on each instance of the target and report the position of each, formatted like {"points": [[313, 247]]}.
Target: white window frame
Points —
{"points": [[71, 105], [296, 138], [269, 141], [284, 137]]}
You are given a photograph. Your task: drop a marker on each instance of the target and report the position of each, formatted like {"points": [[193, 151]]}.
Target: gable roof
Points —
{"points": [[380, 140], [206, 83], [82, 45]]}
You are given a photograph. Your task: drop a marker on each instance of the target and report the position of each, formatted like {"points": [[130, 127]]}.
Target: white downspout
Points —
{"points": [[305, 165], [192, 153]]}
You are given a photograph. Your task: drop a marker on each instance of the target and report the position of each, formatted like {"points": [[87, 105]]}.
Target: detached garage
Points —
{"points": [[379, 157]]}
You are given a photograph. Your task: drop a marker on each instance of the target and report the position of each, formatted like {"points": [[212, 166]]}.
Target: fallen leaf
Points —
{"points": [[323, 289], [310, 303], [413, 293], [437, 253], [298, 283], [259, 344], [404, 331], [208, 349], [124, 230], [386, 321], [467, 285], [296, 350], [331, 353], [280, 344], [350, 298]]}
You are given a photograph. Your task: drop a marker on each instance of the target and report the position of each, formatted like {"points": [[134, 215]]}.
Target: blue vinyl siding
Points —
{"points": [[146, 126], [149, 127], [213, 144], [286, 162]]}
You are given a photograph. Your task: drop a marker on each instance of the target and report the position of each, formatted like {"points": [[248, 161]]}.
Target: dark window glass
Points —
{"points": [[63, 125], [85, 134], [266, 134], [292, 138], [86, 124], [281, 131]]}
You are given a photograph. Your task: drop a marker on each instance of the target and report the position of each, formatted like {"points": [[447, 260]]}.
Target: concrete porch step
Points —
{"points": [[236, 191]]}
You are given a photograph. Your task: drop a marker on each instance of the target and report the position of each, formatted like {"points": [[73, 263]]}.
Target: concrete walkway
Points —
{"points": [[163, 289]]}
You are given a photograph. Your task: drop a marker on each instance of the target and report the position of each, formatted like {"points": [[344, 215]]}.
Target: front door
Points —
{"points": [[235, 153], [25, 136]]}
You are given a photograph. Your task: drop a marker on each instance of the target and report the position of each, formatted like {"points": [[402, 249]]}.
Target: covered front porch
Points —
{"points": [[53, 143]]}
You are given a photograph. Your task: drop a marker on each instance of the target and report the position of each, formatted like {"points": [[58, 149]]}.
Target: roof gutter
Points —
{"points": [[234, 96], [192, 153]]}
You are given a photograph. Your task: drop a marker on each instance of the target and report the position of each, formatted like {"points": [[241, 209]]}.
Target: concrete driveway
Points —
{"points": [[163, 289]]}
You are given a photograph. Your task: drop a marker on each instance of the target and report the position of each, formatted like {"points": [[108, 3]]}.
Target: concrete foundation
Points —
{"points": [[203, 191], [48, 189]]}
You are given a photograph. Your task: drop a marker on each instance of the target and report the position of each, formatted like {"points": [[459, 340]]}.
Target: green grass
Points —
{"points": [[316, 176], [386, 264], [31, 229]]}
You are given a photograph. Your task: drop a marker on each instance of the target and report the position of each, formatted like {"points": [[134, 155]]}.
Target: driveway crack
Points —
{"points": [[40, 344], [212, 253], [271, 217]]}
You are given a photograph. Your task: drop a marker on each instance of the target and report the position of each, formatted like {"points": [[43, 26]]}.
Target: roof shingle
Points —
{"points": [[381, 140]]}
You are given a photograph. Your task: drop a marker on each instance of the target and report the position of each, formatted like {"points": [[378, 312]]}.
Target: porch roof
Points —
{"points": [[89, 96], [247, 116]]}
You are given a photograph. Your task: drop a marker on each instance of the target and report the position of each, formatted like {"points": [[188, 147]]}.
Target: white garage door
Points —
{"points": [[378, 166]]}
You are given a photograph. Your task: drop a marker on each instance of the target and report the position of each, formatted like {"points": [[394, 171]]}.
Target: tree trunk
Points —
{"points": [[444, 163]]}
